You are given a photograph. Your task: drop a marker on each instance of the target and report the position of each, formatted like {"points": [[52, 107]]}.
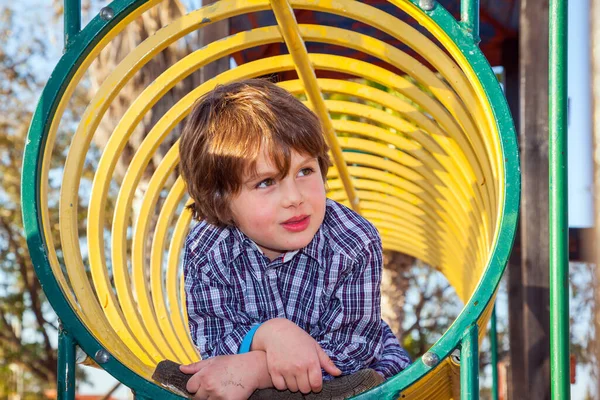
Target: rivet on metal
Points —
{"points": [[456, 356], [427, 5], [107, 13], [430, 359], [102, 356]]}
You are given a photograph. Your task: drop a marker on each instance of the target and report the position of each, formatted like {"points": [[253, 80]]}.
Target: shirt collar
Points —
{"points": [[315, 249]]}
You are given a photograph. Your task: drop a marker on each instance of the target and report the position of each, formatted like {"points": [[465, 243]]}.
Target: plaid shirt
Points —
{"points": [[330, 288]]}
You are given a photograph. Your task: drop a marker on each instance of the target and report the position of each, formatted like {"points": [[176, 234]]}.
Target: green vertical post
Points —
{"points": [[469, 17], [469, 365], [65, 387], [559, 221], [494, 350], [72, 20]]}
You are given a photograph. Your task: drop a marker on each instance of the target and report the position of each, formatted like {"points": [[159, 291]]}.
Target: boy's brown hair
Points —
{"points": [[227, 130]]}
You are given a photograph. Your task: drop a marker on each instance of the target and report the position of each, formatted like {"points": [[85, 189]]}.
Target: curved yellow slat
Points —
{"points": [[443, 241], [140, 235], [462, 198], [384, 77], [284, 14], [455, 212], [375, 95], [412, 223], [403, 61], [427, 166], [76, 157], [148, 329], [179, 233], [467, 86], [92, 315], [363, 184], [491, 133], [158, 247], [409, 221]]}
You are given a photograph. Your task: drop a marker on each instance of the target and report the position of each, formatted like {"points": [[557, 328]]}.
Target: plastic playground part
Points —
{"points": [[432, 161]]}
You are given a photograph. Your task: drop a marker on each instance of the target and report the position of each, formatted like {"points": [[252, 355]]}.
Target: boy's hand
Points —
{"points": [[294, 358], [224, 377]]}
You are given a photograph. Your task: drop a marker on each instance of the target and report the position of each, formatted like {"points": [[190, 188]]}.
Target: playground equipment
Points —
{"points": [[433, 163]]}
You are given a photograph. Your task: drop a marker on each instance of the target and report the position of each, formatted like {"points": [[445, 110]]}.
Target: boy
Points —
{"points": [[281, 283]]}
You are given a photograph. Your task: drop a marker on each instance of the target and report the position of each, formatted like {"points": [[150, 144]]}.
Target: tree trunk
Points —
{"points": [[534, 203], [394, 287]]}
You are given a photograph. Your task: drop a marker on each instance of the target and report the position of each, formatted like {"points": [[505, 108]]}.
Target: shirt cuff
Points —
{"points": [[247, 342]]}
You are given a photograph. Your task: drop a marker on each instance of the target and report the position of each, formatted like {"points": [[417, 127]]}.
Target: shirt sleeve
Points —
{"points": [[351, 329], [217, 323]]}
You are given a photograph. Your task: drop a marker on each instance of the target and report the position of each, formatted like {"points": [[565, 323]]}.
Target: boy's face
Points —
{"points": [[281, 215]]}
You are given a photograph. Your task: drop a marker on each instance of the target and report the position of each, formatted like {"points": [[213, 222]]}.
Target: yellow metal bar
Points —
{"points": [[95, 318], [163, 225], [469, 137], [96, 212], [177, 292], [246, 70], [451, 237], [461, 77], [440, 145], [291, 34], [456, 211], [167, 321], [491, 132], [156, 315]]}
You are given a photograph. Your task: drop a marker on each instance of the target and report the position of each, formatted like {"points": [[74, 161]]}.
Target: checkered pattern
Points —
{"points": [[330, 288]]}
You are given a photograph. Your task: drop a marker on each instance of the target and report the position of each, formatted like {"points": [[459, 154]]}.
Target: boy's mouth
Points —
{"points": [[297, 224]]}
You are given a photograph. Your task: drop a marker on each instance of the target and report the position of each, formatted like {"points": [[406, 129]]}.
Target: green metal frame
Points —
{"points": [[469, 365], [463, 332], [75, 53], [558, 218], [72, 20], [469, 15], [66, 365], [494, 351]]}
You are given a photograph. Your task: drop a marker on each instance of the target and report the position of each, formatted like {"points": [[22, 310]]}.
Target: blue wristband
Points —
{"points": [[247, 342]]}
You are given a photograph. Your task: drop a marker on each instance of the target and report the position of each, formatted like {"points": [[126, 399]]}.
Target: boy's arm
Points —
{"points": [[350, 332], [216, 321], [230, 377]]}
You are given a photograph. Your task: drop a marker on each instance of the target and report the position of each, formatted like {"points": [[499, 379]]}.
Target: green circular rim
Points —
{"points": [[36, 141]]}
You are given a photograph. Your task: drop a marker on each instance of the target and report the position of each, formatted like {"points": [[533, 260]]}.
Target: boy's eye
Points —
{"points": [[265, 183], [306, 171]]}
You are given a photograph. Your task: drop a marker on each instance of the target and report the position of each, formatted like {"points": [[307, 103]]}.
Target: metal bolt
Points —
{"points": [[430, 359], [427, 5], [102, 356], [107, 13], [456, 356]]}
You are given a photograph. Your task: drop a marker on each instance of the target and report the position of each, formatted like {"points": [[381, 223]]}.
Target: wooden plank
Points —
{"points": [[516, 370], [534, 200]]}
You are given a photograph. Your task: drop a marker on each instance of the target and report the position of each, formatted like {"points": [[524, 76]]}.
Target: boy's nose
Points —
{"points": [[293, 195]]}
